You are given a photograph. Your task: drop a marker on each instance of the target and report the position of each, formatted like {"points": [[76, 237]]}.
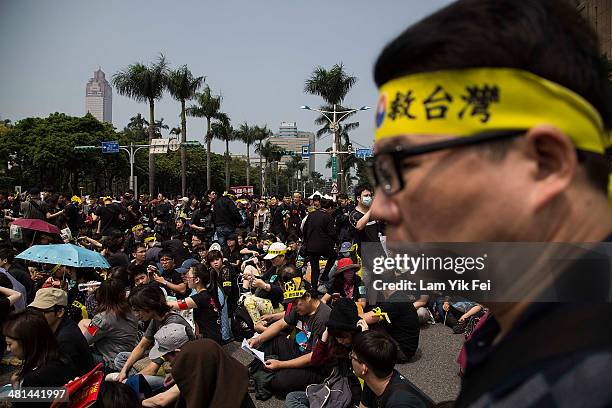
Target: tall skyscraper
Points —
{"points": [[99, 97]]}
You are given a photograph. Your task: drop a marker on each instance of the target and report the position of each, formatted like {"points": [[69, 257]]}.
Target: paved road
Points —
{"points": [[434, 369]]}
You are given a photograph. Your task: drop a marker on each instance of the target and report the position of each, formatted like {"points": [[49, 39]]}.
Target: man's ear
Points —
{"points": [[555, 160]]}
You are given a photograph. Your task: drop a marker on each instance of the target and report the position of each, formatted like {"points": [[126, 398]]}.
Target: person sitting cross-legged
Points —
{"points": [[308, 315]]}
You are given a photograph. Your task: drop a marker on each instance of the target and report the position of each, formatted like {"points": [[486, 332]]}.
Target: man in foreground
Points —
{"points": [[490, 131]]}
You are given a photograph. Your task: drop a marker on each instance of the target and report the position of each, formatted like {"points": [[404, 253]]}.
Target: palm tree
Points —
{"points": [[176, 131], [261, 133], [223, 130], [207, 106], [248, 135], [332, 85], [144, 84], [183, 86], [269, 152], [294, 166], [159, 125]]}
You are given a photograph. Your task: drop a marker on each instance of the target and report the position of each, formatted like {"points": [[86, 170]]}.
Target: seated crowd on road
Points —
{"points": [[190, 275]]}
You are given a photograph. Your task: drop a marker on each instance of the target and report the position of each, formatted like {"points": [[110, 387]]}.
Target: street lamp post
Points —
{"points": [[334, 126]]}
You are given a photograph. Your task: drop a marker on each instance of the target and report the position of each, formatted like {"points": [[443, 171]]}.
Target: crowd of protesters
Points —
{"points": [[284, 273]]}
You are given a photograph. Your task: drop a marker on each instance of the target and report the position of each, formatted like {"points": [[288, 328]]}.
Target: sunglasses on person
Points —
{"points": [[387, 167]]}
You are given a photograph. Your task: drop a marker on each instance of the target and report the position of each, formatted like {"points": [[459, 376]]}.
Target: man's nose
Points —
{"points": [[385, 208]]}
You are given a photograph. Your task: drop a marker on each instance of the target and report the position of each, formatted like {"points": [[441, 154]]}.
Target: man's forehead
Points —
{"points": [[407, 140]]}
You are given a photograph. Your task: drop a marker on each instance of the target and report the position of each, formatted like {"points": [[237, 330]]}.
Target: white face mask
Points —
{"points": [[367, 201]]}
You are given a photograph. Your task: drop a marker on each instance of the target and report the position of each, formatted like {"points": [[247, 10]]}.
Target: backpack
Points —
{"points": [[335, 391]]}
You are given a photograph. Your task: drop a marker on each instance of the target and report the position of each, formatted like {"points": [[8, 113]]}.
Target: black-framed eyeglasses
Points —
{"points": [[387, 165]]}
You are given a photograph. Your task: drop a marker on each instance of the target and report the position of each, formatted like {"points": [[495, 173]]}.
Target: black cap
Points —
{"points": [[344, 316]]}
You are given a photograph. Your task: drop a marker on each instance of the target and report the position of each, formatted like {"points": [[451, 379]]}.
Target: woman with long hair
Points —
{"points": [[114, 328], [30, 339], [205, 302]]}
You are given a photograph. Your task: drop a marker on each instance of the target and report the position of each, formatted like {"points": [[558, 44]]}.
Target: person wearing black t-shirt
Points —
{"points": [[373, 357], [108, 217], [205, 303], [170, 279], [297, 212], [396, 316]]}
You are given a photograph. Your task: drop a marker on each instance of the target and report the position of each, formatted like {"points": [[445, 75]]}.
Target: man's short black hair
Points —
{"points": [[342, 196], [359, 190], [545, 37], [376, 350], [166, 253], [149, 297]]}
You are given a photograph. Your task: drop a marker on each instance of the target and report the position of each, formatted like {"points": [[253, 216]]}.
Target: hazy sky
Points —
{"points": [[256, 53]]}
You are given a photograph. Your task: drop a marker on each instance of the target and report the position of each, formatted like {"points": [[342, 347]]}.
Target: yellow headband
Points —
{"points": [[277, 252], [137, 226], [465, 102], [149, 239], [75, 199]]}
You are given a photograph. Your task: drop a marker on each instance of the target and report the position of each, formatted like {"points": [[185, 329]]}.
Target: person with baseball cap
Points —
{"points": [[52, 303], [493, 125], [306, 313]]}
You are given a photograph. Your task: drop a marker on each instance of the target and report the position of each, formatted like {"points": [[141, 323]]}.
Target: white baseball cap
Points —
{"points": [[276, 249]]}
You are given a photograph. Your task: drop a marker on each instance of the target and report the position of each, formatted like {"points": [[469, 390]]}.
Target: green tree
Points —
{"points": [[223, 130], [183, 86], [144, 83], [269, 152], [332, 85], [207, 106], [136, 129], [248, 135], [261, 133]]}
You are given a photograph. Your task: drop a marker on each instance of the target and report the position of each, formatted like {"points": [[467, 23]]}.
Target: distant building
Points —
{"points": [[599, 14], [291, 139], [99, 97]]}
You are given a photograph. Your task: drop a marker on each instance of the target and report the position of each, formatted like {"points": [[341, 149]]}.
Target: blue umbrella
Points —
{"points": [[64, 254]]}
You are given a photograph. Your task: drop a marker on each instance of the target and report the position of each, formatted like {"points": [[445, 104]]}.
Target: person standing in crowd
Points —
{"points": [[52, 303], [107, 218], [73, 214], [365, 228], [162, 217], [262, 218], [30, 339], [226, 217], [320, 240], [130, 207], [297, 212], [341, 216], [202, 222], [226, 280], [34, 207], [541, 164], [277, 224]]}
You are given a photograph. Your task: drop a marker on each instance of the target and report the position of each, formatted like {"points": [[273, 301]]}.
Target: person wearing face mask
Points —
{"points": [[364, 227]]}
